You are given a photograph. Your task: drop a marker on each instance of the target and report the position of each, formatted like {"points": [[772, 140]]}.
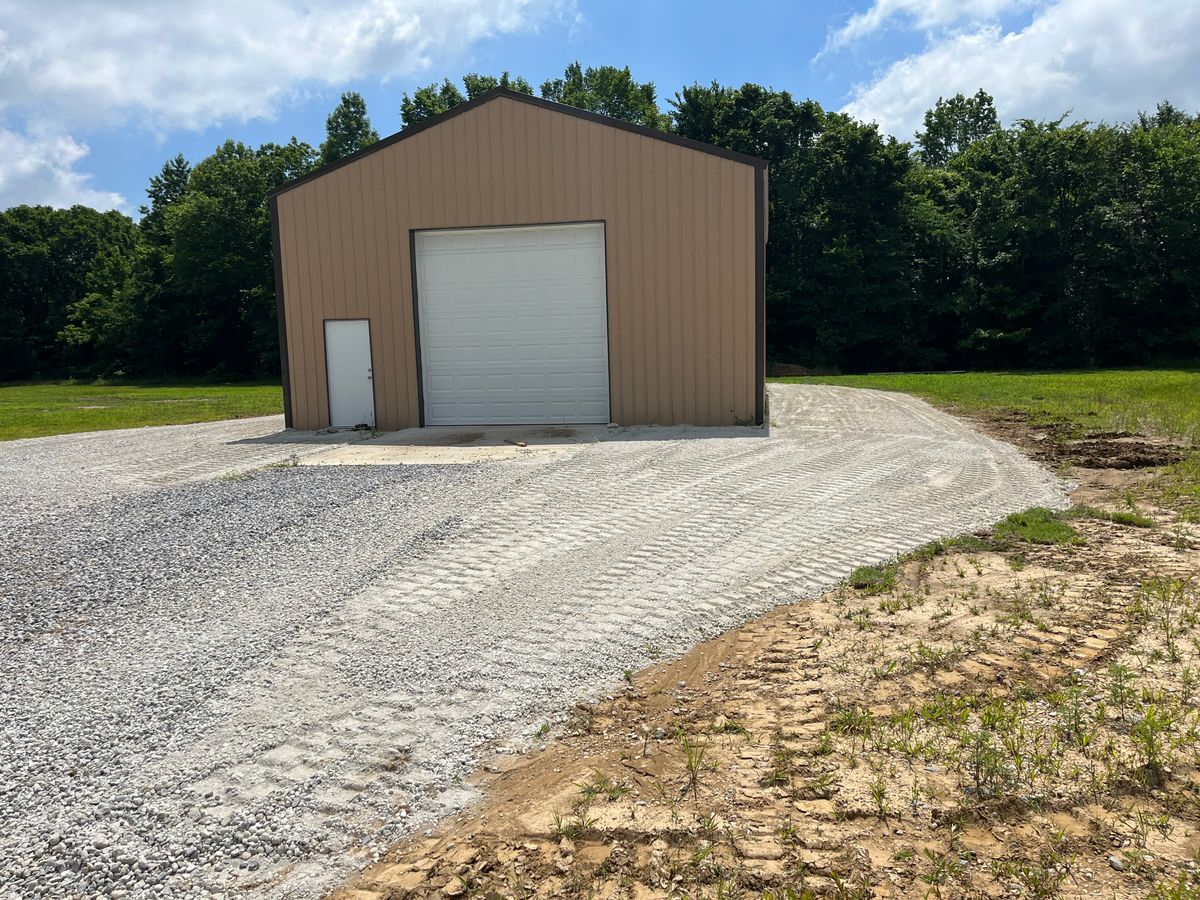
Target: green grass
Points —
{"points": [[1133, 519], [37, 410], [874, 579], [1152, 401], [1036, 526], [1033, 526], [1180, 485], [964, 543], [1128, 517]]}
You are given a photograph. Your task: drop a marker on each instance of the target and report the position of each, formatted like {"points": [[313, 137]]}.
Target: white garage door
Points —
{"points": [[513, 325]]}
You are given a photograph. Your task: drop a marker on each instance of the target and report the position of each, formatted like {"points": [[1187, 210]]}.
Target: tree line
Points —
{"points": [[1041, 244]]}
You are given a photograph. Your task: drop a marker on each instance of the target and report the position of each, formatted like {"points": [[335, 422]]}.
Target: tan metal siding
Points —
{"points": [[680, 230]]}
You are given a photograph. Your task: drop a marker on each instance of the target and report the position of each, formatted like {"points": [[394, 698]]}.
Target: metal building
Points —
{"points": [[517, 261]]}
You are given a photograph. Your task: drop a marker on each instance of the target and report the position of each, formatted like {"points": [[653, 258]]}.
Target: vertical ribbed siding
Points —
{"points": [[680, 232]]}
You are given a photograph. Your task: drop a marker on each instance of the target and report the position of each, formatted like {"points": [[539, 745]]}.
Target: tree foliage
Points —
{"points": [[954, 125], [166, 188], [1037, 245], [222, 266], [429, 101], [606, 90], [1041, 244], [435, 99], [609, 91], [52, 262], [348, 128], [187, 290], [478, 85]]}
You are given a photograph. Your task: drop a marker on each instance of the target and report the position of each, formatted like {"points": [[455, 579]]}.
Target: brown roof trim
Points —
{"points": [[496, 93]]}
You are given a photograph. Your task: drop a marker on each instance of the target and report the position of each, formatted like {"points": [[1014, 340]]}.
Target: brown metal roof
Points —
{"points": [[498, 92]]}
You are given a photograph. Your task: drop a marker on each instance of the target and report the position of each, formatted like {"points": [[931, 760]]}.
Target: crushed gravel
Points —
{"points": [[253, 684], [122, 626], [41, 477]]}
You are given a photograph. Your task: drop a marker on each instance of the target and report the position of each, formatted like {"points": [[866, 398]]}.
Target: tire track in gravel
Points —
{"points": [[517, 588]]}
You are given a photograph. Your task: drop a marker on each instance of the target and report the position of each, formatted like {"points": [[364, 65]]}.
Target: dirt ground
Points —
{"points": [[993, 716]]}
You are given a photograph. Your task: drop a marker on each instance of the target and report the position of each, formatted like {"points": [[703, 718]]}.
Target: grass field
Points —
{"points": [[1152, 401], [37, 410]]}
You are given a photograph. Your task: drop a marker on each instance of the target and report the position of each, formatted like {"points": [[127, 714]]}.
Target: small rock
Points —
{"points": [[1117, 863]]}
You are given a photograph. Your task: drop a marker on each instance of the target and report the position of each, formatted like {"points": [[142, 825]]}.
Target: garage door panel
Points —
{"points": [[515, 413], [513, 325], [590, 323], [495, 239], [567, 354], [586, 262], [593, 376], [562, 238]]}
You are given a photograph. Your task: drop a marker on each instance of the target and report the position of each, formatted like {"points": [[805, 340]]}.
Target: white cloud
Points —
{"points": [[41, 169], [1098, 59], [192, 65], [101, 64], [924, 14]]}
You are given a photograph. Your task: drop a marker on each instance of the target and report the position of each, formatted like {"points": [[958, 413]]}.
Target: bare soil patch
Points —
{"points": [[986, 718], [1058, 444]]}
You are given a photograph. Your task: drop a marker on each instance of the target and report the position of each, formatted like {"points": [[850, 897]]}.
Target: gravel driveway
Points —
{"points": [[216, 684]]}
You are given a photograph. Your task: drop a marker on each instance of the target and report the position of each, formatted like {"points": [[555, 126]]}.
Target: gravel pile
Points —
{"points": [[254, 684], [123, 625]]}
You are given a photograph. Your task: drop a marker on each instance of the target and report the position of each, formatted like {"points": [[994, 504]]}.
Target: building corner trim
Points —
{"points": [[760, 292], [281, 314]]}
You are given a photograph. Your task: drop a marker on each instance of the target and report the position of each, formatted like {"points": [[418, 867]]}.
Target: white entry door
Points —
{"points": [[348, 368], [513, 325]]}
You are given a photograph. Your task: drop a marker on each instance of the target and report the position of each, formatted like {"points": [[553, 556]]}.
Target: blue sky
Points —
{"points": [[94, 95]]}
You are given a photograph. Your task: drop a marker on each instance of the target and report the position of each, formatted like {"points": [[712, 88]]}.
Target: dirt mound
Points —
{"points": [[1058, 445], [1122, 453], [788, 370]]}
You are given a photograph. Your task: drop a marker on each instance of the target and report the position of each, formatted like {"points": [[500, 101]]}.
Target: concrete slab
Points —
{"points": [[462, 445]]}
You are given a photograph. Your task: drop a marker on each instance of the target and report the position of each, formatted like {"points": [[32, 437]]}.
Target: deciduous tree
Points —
{"points": [[347, 129], [429, 101], [609, 91], [955, 124], [478, 85]]}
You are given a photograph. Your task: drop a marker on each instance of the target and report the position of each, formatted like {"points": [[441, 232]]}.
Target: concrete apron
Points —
{"points": [[465, 444]]}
